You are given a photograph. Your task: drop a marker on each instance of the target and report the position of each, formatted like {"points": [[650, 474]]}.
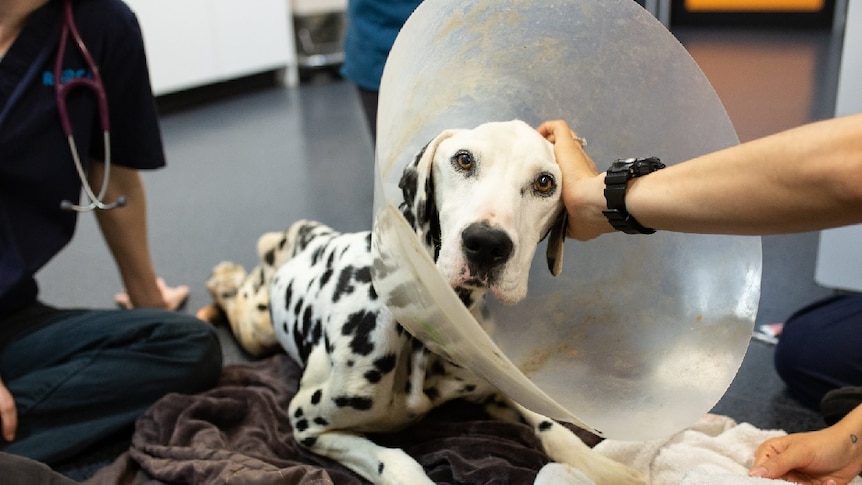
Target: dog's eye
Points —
{"points": [[544, 184], [464, 160]]}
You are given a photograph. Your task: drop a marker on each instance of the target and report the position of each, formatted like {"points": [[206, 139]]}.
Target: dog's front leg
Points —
{"points": [[377, 464], [563, 446]]}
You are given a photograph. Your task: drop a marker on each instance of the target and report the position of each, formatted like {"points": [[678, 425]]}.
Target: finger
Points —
{"points": [[174, 297], [777, 464], [553, 130], [122, 300], [573, 160], [770, 449], [8, 414]]}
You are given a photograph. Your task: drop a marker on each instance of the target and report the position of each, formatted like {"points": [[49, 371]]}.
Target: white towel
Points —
{"points": [[714, 451]]}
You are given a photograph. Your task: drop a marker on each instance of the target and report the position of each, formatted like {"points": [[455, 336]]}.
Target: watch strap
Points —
{"points": [[616, 183]]}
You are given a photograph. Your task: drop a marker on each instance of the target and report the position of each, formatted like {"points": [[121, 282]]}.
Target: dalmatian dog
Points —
{"points": [[480, 200]]}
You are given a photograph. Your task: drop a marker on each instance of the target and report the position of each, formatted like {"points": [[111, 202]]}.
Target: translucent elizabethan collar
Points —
{"points": [[640, 335]]}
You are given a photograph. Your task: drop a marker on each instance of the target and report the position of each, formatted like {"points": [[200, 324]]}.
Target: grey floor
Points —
{"points": [[258, 159]]}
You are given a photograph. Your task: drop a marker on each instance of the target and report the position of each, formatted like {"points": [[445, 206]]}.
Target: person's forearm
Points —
{"points": [[807, 178], [846, 438], [125, 231], [851, 427]]}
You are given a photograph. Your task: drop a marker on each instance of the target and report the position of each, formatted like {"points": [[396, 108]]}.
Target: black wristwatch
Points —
{"points": [[616, 181]]}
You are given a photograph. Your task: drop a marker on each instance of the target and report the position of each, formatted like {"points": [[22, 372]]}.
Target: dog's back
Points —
{"points": [[363, 372]]}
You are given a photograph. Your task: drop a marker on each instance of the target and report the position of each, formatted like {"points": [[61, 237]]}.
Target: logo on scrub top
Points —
{"points": [[66, 75]]}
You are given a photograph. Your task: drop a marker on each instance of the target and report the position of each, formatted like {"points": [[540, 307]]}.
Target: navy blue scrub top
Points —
{"points": [[372, 29], [36, 167]]}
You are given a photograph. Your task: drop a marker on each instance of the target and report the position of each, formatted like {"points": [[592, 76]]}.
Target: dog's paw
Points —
{"points": [[224, 282], [397, 467], [267, 246]]}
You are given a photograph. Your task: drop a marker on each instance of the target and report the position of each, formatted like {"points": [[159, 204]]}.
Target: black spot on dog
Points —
{"points": [[545, 425], [362, 275], [356, 402], [360, 325], [315, 398], [301, 346], [316, 332], [386, 363], [437, 369], [298, 307], [302, 425], [408, 216], [317, 254], [468, 388], [416, 344], [309, 442], [373, 376], [262, 307], [368, 242], [298, 413], [321, 422], [380, 468], [465, 295], [344, 285], [288, 296], [304, 236], [408, 185], [431, 392], [307, 315], [401, 295], [325, 276], [382, 366], [269, 257]]}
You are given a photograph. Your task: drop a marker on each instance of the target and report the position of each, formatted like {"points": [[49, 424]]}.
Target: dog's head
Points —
{"points": [[481, 200]]}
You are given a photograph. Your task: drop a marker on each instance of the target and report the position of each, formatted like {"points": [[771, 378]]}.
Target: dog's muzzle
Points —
{"points": [[486, 249]]}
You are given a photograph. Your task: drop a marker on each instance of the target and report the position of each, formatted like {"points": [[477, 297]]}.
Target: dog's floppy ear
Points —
{"points": [[556, 241], [417, 188]]}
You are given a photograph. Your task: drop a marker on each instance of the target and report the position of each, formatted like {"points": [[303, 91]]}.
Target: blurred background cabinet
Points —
{"points": [[191, 43]]}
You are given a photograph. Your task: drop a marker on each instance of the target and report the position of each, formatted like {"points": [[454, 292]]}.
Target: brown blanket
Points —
{"points": [[239, 433]]}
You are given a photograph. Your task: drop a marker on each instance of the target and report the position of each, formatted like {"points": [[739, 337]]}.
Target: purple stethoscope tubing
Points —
{"points": [[94, 84]]}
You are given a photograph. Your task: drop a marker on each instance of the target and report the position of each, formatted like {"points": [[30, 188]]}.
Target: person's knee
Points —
{"points": [[194, 349], [817, 349], [203, 355]]}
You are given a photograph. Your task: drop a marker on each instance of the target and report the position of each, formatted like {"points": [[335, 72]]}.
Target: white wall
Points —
{"points": [[839, 258], [190, 43], [849, 99]]}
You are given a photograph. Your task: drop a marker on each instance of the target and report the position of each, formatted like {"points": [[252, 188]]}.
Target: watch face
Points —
{"points": [[622, 165]]}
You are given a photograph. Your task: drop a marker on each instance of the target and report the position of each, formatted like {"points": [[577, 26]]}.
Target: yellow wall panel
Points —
{"points": [[754, 5]]}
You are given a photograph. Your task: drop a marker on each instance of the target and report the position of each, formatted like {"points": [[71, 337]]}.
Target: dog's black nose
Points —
{"points": [[485, 247]]}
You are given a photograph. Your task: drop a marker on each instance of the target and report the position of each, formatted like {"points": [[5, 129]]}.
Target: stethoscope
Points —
{"points": [[61, 90]]}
